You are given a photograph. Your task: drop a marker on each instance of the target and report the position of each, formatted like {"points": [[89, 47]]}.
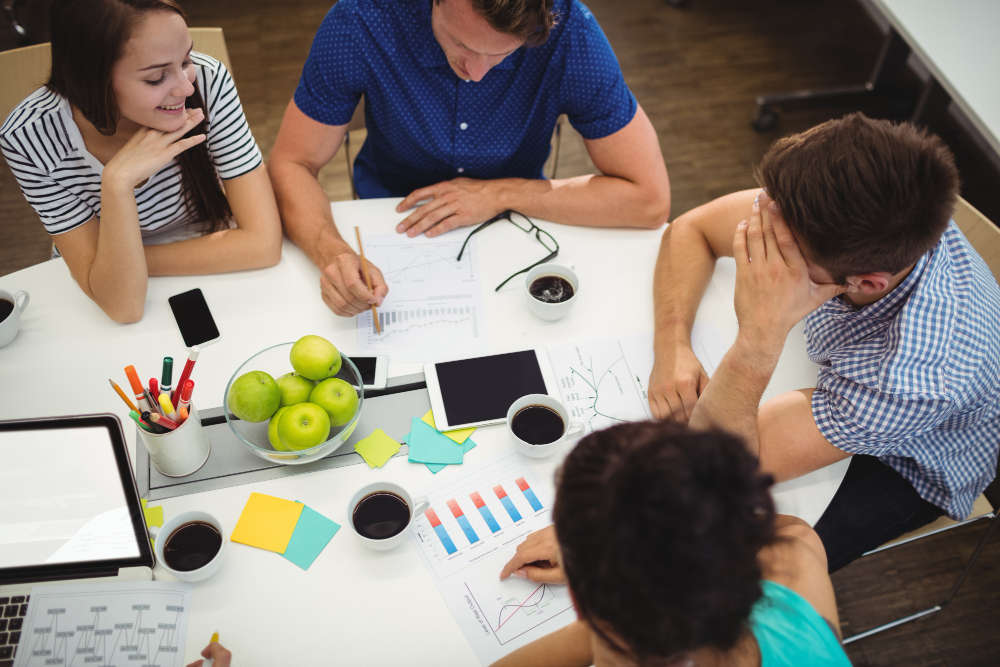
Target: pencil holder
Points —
{"points": [[179, 452]]}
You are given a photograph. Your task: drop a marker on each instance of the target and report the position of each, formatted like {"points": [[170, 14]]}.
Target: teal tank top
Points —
{"points": [[790, 633]]}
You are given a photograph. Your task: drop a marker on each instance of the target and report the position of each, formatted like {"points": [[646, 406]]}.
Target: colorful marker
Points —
{"points": [[138, 420], [186, 373], [166, 406], [186, 392], [157, 428], [167, 377], [165, 422], [154, 390], [137, 389]]}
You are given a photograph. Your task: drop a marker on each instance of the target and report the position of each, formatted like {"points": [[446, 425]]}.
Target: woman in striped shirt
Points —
{"points": [[123, 155]]}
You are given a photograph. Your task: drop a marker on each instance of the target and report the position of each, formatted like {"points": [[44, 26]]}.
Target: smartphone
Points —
{"points": [[194, 319], [373, 370], [479, 391]]}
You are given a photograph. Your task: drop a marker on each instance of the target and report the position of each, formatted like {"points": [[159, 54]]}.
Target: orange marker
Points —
{"points": [[137, 389], [186, 392]]}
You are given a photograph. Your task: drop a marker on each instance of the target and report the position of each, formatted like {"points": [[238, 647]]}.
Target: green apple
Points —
{"points": [[303, 426], [315, 358], [272, 432], [294, 388], [254, 396], [338, 398]]}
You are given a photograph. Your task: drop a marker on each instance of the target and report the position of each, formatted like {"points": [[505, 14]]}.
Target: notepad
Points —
{"points": [[459, 435], [428, 445], [377, 448], [267, 522], [312, 533], [438, 467]]}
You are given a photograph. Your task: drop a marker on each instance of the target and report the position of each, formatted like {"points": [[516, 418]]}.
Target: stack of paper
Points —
{"points": [[433, 448], [377, 448], [296, 532]]}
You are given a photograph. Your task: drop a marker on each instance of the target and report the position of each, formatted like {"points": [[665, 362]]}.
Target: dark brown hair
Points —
{"points": [[862, 195], [659, 527], [88, 37], [530, 20]]}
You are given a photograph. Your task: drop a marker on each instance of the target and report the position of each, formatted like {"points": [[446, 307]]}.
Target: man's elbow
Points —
{"points": [[655, 210]]}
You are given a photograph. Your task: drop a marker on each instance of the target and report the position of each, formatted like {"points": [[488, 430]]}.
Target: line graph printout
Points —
{"points": [[134, 623], [603, 382], [434, 310], [472, 528]]}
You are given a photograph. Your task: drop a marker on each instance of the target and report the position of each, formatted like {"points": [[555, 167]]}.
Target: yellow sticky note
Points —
{"points": [[377, 448], [153, 516], [459, 436], [267, 522]]}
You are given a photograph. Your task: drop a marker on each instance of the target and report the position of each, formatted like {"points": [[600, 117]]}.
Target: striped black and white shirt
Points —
{"points": [[62, 180]]}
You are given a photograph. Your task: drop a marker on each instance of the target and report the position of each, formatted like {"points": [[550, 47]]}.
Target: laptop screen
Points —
{"points": [[64, 500]]}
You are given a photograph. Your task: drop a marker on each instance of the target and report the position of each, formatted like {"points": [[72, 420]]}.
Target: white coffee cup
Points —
{"points": [[551, 311], [571, 430], [416, 506], [168, 528], [10, 326]]}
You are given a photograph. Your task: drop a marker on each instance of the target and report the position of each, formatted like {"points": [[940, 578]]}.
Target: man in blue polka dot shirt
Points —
{"points": [[461, 98]]}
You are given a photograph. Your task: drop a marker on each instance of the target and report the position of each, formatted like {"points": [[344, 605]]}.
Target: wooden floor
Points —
{"points": [[696, 72]]}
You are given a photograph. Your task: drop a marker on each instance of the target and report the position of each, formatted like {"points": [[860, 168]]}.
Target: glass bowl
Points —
{"points": [[274, 361]]}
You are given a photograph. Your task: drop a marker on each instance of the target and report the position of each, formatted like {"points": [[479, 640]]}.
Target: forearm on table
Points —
{"points": [[117, 277], [731, 400], [684, 267], [233, 249], [587, 201], [305, 212]]}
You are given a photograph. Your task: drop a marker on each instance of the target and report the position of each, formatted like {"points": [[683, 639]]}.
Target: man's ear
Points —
{"points": [[868, 283]]}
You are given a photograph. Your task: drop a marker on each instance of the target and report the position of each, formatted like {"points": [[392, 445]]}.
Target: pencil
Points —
{"points": [[121, 393], [368, 278]]}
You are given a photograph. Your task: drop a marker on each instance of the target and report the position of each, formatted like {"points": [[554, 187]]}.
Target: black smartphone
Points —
{"points": [[194, 319]]}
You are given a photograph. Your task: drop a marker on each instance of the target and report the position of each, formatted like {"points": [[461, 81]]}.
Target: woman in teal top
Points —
{"points": [[673, 554]]}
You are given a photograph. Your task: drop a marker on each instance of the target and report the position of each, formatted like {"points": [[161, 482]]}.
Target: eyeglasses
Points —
{"points": [[525, 224]]}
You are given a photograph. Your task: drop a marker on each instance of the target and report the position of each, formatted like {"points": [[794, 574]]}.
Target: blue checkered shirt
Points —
{"points": [[913, 378]]}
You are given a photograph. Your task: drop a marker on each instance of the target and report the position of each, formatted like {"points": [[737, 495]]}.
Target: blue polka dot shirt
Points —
{"points": [[426, 125]]}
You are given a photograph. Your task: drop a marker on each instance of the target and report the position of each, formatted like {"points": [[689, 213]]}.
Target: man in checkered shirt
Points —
{"points": [[852, 232]]}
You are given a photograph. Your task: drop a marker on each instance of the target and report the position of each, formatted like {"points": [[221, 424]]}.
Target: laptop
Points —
{"points": [[69, 512]]}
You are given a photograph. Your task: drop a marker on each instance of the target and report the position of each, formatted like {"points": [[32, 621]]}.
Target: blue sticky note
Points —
{"points": [[312, 533], [428, 445], [438, 467]]}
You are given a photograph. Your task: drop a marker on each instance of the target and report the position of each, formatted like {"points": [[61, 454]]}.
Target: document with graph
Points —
{"points": [[475, 521], [434, 310], [604, 382]]}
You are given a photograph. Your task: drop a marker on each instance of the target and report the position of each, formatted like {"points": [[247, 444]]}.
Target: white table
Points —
{"points": [[354, 606], [957, 41]]}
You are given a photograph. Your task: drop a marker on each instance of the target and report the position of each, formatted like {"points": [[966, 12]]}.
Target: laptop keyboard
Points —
{"points": [[12, 613]]}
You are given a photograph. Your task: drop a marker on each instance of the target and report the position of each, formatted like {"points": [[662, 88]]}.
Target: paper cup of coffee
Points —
{"points": [[11, 307], [380, 512], [190, 546], [551, 289], [539, 424], [179, 452]]}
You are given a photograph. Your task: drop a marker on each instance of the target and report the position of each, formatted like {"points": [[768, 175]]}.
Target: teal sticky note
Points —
{"points": [[428, 445], [438, 467], [312, 533]]}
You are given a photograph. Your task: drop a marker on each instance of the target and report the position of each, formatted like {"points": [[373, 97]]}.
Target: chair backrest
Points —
{"points": [[982, 234], [22, 71]]}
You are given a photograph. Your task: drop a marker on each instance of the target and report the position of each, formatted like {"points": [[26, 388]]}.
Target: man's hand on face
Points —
{"points": [[773, 289], [675, 384], [343, 285], [455, 203]]}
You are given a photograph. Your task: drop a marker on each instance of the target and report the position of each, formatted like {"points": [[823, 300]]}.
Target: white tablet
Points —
{"points": [[479, 391]]}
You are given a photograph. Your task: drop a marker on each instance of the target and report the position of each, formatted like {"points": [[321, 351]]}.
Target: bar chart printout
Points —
{"points": [[466, 537]]}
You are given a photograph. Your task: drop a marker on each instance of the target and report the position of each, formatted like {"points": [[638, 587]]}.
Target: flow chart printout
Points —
{"points": [[604, 381], [434, 310], [472, 528], [129, 623]]}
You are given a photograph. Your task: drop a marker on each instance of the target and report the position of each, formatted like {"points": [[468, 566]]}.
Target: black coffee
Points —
{"points": [[192, 546], [551, 289], [380, 515], [6, 308], [537, 425]]}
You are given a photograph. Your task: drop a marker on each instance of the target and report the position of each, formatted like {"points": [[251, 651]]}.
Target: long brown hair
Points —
{"points": [[88, 37]]}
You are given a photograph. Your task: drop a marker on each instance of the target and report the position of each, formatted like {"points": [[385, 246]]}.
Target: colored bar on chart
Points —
{"points": [[463, 521], [507, 503], [529, 494], [442, 534], [485, 511]]}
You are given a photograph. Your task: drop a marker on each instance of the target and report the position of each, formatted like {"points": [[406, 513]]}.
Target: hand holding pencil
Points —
{"points": [[344, 287]]}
